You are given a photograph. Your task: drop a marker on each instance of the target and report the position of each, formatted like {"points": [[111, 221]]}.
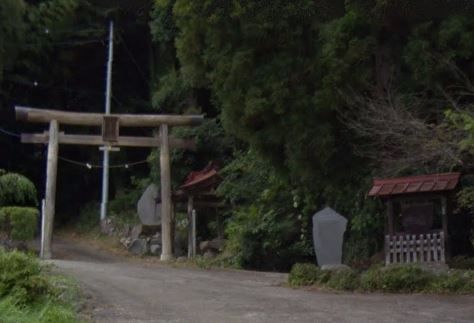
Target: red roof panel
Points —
{"points": [[414, 184], [202, 178]]}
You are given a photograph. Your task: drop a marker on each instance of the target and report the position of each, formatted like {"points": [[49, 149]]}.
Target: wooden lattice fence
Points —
{"points": [[410, 248]]}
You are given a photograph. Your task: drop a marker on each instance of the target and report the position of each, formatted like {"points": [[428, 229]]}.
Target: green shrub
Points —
{"points": [[19, 223], [396, 279], [462, 262], [21, 277], [263, 238], [29, 294], [304, 274], [89, 217], [344, 279], [45, 312], [455, 281], [16, 189]]}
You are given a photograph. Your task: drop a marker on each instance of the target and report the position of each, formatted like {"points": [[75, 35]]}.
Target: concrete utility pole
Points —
{"points": [[105, 170]]}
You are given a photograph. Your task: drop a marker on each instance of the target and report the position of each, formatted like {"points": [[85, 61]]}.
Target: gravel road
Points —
{"points": [[121, 290]]}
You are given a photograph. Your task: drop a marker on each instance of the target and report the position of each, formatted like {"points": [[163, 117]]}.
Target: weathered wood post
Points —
{"points": [[51, 173], [194, 231], [390, 218], [190, 226], [444, 220], [166, 250]]}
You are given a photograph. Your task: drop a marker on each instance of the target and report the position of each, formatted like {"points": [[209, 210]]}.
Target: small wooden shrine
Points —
{"points": [[198, 191], [417, 216]]}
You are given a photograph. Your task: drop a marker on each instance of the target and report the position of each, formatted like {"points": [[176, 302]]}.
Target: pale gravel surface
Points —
{"points": [[130, 291]]}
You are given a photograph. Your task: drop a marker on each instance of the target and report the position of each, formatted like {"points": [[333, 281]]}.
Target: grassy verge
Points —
{"points": [[392, 279], [29, 292]]}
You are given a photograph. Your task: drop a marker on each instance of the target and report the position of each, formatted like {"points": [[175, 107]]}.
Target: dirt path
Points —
{"points": [[129, 291]]}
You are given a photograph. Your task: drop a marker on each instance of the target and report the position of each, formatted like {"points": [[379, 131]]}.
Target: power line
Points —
{"points": [[64, 88], [9, 133], [78, 163], [134, 61], [59, 43], [90, 166]]}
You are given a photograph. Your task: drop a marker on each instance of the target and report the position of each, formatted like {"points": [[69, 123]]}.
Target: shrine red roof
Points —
{"points": [[202, 179], [415, 184]]}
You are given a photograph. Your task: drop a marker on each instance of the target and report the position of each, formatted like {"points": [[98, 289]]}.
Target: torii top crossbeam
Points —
{"points": [[95, 119]]}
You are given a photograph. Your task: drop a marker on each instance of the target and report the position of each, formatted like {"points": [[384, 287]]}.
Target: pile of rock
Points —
{"points": [[143, 240], [210, 249]]}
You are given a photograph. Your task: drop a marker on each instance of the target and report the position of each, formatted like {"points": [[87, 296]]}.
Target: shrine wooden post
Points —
{"points": [[110, 137]]}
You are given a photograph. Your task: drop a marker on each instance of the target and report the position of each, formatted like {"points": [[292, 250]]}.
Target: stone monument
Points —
{"points": [[148, 208], [328, 235]]}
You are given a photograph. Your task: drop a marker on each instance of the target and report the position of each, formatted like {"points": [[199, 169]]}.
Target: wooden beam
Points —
{"points": [[193, 233], [95, 119], [390, 218], [444, 220], [165, 179], [191, 252], [51, 173], [122, 141]]}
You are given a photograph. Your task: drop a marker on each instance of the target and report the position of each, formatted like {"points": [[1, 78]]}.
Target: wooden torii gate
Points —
{"points": [[110, 138]]}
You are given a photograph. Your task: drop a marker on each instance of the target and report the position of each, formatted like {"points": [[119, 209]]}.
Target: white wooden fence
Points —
{"points": [[410, 248]]}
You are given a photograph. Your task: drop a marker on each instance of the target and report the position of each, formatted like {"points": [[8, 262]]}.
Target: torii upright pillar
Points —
{"points": [[165, 180], [50, 199]]}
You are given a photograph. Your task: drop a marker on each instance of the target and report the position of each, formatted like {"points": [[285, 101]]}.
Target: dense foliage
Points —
{"points": [[305, 102], [297, 83]]}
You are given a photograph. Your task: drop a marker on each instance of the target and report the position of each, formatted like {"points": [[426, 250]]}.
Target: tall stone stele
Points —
{"points": [[148, 208], [328, 235]]}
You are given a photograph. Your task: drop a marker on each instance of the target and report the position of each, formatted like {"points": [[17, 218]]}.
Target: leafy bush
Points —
{"points": [[16, 189], [19, 223], [48, 312], [21, 277], [396, 279], [304, 274], [262, 238], [29, 295], [344, 279], [123, 208], [365, 235], [89, 217], [461, 262], [454, 281]]}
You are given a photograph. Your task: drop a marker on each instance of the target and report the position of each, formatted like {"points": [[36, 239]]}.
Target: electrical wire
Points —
{"points": [[82, 164], [9, 133], [91, 166], [64, 88], [134, 61]]}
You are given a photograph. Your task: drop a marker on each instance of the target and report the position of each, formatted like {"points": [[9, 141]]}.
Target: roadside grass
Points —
{"points": [[31, 292], [391, 279]]}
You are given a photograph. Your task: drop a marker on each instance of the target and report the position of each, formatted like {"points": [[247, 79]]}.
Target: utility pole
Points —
{"points": [[106, 149]]}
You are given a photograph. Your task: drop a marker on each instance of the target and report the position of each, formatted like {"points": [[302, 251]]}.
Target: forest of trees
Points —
{"points": [[305, 102]]}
